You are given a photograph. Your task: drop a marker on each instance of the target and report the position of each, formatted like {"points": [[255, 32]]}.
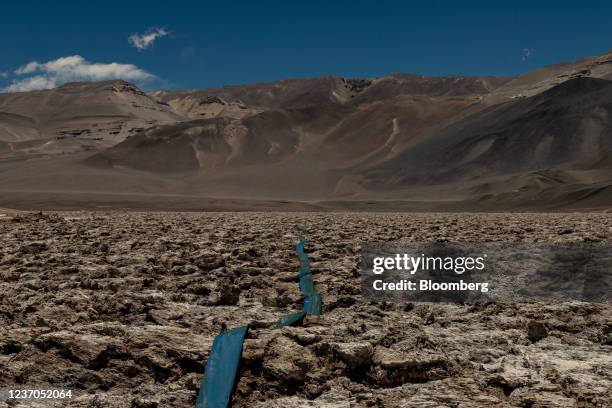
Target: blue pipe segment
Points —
{"points": [[312, 299], [224, 358], [221, 369]]}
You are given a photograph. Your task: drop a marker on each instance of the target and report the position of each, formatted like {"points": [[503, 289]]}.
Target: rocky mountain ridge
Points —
{"points": [[537, 140]]}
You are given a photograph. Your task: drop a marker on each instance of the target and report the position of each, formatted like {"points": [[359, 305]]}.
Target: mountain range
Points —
{"points": [[538, 141]]}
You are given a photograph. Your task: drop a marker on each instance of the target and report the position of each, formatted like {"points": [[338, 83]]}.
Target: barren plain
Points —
{"points": [[122, 308]]}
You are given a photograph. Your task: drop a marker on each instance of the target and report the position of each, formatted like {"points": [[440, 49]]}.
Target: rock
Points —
{"points": [[540, 398], [394, 367], [606, 335], [536, 331], [354, 354], [10, 347], [33, 248], [183, 270], [287, 361], [208, 260], [307, 339], [283, 370], [88, 350], [227, 295], [332, 398], [142, 403]]}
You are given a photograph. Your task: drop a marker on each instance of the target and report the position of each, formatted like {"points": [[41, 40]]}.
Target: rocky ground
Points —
{"points": [[122, 308]]}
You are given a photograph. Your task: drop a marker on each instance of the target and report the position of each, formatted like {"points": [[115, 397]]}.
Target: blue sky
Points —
{"points": [[213, 43]]}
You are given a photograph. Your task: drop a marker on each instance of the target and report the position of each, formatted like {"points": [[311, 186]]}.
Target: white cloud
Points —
{"points": [[27, 68], [527, 53], [73, 68], [31, 84], [144, 41]]}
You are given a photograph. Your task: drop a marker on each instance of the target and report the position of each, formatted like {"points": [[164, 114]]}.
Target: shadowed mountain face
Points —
{"points": [[567, 127], [538, 141]]}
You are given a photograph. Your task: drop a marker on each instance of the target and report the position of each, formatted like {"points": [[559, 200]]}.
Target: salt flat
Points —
{"points": [[122, 307]]}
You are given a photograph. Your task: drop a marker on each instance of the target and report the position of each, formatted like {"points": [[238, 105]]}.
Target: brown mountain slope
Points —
{"points": [[567, 126], [108, 111], [537, 141], [551, 148], [420, 148]]}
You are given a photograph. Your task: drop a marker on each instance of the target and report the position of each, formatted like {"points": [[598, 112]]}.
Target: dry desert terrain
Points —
{"points": [[122, 308]]}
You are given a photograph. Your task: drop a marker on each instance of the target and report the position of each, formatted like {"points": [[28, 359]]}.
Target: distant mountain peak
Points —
{"points": [[115, 85]]}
